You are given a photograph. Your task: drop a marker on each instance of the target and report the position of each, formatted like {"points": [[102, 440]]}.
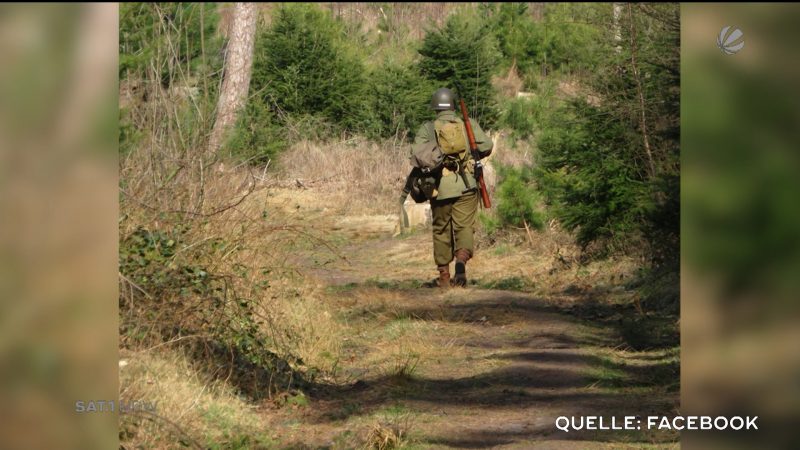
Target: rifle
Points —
{"points": [[473, 148]]}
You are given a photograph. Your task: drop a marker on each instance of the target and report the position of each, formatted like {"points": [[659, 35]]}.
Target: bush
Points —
{"points": [[303, 65], [586, 173], [518, 200], [566, 41], [604, 181], [171, 294], [512, 25], [462, 55], [527, 116], [258, 137], [398, 99], [520, 117], [490, 223]]}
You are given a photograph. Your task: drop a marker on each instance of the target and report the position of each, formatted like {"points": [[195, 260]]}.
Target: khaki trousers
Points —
{"points": [[453, 226]]}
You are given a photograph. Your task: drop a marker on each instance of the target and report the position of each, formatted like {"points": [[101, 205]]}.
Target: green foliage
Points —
{"points": [[518, 200], [303, 65], [315, 77], [463, 55], [516, 34], [169, 52], [565, 40], [398, 100], [519, 115], [593, 166], [186, 29], [585, 173], [526, 116], [570, 37], [258, 136], [489, 222]]}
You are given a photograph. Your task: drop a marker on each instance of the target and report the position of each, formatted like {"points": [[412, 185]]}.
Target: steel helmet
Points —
{"points": [[443, 99]]}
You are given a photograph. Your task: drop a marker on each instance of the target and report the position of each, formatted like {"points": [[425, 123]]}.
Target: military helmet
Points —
{"points": [[443, 99]]}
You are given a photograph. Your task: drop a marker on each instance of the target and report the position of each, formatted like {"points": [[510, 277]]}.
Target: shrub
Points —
{"points": [[398, 100], [258, 136], [303, 65], [512, 25], [171, 294], [527, 116], [462, 55], [609, 179], [519, 116], [566, 41], [586, 173], [518, 199], [490, 223]]}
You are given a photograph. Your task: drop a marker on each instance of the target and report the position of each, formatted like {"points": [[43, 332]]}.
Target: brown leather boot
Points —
{"points": [[444, 277], [462, 256]]}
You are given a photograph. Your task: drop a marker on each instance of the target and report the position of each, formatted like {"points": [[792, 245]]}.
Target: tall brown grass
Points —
{"points": [[366, 176]]}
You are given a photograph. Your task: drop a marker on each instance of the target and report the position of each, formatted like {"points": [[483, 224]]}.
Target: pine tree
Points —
{"points": [[303, 66], [462, 55]]}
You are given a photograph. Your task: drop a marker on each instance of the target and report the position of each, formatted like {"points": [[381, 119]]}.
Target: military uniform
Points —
{"points": [[455, 206]]}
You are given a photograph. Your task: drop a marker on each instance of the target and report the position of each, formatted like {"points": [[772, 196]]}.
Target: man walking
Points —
{"points": [[454, 203]]}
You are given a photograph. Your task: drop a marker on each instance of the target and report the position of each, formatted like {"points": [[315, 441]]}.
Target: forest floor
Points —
{"points": [[488, 366]]}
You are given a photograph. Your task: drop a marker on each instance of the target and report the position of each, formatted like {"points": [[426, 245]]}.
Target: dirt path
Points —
{"points": [[467, 368]]}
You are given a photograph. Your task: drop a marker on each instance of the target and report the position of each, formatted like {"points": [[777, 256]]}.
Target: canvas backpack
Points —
{"points": [[427, 157], [451, 138]]}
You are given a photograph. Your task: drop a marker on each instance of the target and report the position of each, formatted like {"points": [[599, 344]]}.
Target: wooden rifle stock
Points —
{"points": [[473, 148]]}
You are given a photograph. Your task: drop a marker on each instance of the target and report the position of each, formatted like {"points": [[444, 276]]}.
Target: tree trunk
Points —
{"points": [[617, 7], [640, 93], [237, 68], [537, 11]]}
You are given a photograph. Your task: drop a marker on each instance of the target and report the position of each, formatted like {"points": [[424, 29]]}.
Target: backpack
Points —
{"points": [[450, 136], [427, 157]]}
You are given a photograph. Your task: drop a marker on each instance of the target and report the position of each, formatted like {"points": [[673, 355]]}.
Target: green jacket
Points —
{"points": [[451, 185]]}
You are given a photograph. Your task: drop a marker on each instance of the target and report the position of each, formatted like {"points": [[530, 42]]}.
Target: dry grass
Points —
{"points": [[509, 152], [315, 336], [385, 437], [190, 407], [366, 177], [238, 209], [509, 84], [395, 344]]}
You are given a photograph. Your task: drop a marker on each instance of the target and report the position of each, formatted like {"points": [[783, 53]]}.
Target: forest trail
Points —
{"points": [[489, 366]]}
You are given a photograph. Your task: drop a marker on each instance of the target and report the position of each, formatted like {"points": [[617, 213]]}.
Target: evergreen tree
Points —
{"points": [[398, 100], [516, 35], [304, 66], [462, 55], [610, 170]]}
